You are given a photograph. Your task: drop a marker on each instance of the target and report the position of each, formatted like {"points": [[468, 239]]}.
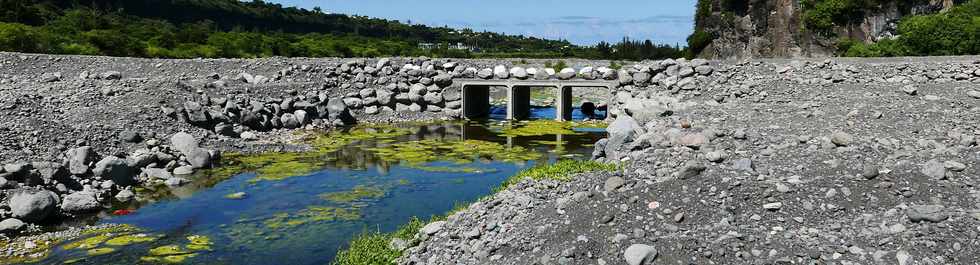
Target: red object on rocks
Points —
{"points": [[122, 212]]}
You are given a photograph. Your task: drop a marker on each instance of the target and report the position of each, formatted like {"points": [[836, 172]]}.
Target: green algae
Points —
{"points": [[539, 128], [359, 192], [277, 166], [447, 169], [199, 243], [100, 251], [130, 239], [417, 153], [168, 254], [563, 170], [87, 243], [173, 254], [312, 214]]}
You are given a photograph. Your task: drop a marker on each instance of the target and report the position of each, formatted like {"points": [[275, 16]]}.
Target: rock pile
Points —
{"points": [[85, 181]]}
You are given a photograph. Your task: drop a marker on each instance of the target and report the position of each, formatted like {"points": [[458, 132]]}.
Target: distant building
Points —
{"points": [[457, 46]]}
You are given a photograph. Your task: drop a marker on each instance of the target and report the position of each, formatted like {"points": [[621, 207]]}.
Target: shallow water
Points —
{"points": [[303, 208]]}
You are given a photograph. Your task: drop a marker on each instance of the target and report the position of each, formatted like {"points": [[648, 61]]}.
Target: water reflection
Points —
{"points": [[300, 208]]}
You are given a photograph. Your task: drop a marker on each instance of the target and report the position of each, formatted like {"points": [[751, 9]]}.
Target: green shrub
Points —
{"points": [[951, 33], [370, 248], [557, 65], [698, 41], [20, 37]]}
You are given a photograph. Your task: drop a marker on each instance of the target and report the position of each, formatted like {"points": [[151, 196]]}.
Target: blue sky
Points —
{"points": [[581, 22]]}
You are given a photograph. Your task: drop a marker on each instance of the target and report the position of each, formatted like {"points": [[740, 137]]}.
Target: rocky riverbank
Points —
{"points": [[771, 162], [80, 133]]}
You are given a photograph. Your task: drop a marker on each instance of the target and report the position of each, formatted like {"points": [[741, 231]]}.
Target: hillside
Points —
{"points": [[819, 28], [233, 29]]}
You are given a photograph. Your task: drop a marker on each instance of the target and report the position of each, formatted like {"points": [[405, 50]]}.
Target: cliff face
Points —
{"points": [[775, 28]]}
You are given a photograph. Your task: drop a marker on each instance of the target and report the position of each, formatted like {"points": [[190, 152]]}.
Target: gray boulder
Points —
{"points": [[567, 73], [338, 111], [11, 225], [111, 75], [188, 146], [80, 202], [289, 121], [501, 72], [33, 205], [51, 77], [115, 169], [640, 254], [518, 72], [79, 159], [157, 173], [485, 73], [645, 111], [931, 213], [443, 80]]}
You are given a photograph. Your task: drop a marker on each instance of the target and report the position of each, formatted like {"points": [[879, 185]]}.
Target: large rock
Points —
{"points": [[518, 72], [80, 202], [11, 225], [158, 173], [451, 94], [79, 160], [567, 73], [646, 110], [33, 205], [183, 142], [485, 73], [433, 228], [640, 254], [501, 72], [289, 121], [115, 169], [443, 80], [338, 112], [187, 145], [385, 98], [624, 125], [931, 213]]}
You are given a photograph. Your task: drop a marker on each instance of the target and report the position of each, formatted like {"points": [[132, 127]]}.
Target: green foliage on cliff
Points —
{"points": [[955, 32], [697, 41]]}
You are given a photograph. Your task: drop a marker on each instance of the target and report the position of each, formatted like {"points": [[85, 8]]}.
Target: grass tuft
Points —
{"points": [[563, 170]]}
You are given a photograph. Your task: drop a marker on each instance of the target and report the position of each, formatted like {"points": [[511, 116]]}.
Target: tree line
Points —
{"points": [[234, 29]]}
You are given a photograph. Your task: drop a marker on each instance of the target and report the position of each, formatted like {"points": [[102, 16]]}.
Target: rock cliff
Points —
{"points": [[780, 28]]}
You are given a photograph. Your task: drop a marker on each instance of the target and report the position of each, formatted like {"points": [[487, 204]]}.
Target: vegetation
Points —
{"points": [[234, 29], [556, 65], [562, 170], [697, 41], [634, 50], [373, 247], [954, 32]]}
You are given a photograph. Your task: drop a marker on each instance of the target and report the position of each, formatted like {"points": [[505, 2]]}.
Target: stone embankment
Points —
{"points": [[842, 161]]}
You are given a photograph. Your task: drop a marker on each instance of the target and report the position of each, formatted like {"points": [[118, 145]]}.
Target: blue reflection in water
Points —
{"points": [[241, 229]]}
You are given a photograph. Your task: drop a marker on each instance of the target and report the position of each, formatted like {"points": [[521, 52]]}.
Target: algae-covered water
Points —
{"points": [[301, 208]]}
